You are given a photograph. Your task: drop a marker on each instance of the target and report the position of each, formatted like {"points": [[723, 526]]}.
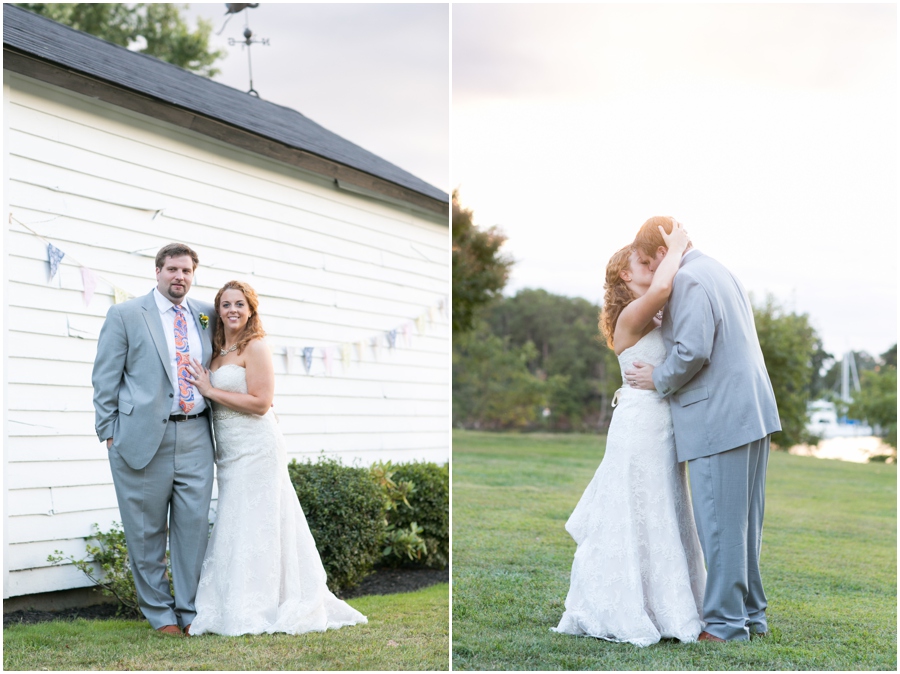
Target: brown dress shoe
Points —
{"points": [[706, 636], [187, 630], [169, 629]]}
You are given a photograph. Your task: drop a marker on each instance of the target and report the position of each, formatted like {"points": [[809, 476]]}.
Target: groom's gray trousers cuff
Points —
{"points": [[171, 492], [728, 491]]}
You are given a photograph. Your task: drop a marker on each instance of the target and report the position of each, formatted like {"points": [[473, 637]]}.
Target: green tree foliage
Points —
{"points": [[583, 371], [167, 35], [876, 401], [789, 345], [479, 271], [492, 386], [889, 357]]}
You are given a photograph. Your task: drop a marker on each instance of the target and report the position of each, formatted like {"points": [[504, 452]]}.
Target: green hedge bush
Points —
{"points": [[345, 512], [430, 510]]}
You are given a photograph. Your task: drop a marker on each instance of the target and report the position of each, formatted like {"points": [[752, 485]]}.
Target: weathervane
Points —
{"points": [[234, 8]]}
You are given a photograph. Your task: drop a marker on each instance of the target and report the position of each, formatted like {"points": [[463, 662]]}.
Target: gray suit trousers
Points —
{"points": [[170, 494], [728, 491]]}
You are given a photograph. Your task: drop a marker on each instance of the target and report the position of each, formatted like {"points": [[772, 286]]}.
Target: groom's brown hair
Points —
{"points": [[175, 250], [648, 238]]}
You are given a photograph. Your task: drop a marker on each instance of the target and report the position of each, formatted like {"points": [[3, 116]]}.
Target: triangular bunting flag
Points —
{"points": [[326, 357], [391, 338], [345, 355], [90, 283], [121, 295], [420, 324], [307, 357], [56, 256]]}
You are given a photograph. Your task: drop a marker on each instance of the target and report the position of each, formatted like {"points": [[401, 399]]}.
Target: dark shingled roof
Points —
{"points": [[48, 40]]}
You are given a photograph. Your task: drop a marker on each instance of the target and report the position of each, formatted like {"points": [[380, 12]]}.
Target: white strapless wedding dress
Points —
{"points": [[638, 573], [262, 571]]}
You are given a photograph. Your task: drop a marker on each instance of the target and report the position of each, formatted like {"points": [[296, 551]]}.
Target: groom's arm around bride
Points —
{"points": [[723, 411]]}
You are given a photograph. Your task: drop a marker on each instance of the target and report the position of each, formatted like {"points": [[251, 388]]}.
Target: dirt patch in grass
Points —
{"points": [[383, 581]]}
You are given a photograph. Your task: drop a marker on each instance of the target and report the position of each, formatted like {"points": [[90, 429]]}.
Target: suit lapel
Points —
{"points": [[154, 325], [204, 332]]}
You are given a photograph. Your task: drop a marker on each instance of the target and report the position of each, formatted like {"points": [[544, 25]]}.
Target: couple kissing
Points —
{"points": [[695, 396]]}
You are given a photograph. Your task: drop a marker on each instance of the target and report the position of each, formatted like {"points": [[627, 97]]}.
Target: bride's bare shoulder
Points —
{"points": [[257, 346]]}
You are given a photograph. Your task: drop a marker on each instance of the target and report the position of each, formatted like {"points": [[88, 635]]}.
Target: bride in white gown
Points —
{"points": [[262, 572], [638, 573]]}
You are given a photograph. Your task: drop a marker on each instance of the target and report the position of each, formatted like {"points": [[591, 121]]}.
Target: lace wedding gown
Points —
{"points": [[262, 571], [638, 572]]}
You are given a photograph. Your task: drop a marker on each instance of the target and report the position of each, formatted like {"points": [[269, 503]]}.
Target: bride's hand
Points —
{"points": [[199, 376], [678, 239]]}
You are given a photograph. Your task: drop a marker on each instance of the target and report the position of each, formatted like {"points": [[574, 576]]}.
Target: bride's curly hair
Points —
{"points": [[616, 295], [253, 329]]}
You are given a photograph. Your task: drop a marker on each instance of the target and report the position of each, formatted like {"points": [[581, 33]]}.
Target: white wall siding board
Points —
{"points": [[57, 500], [54, 397], [56, 448], [32, 474], [109, 187], [31, 502], [45, 579], [31, 528], [34, 555]]}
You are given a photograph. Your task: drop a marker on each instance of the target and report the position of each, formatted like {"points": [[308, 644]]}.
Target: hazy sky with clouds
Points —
{"points": [[769, 130], [376, 74]]}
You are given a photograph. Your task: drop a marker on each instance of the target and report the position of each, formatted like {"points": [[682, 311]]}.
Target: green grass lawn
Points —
{"points": [[405, 632], [829, 563]]}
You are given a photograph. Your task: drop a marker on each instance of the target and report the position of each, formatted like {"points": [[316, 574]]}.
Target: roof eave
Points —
{"points": [[29, 65]]}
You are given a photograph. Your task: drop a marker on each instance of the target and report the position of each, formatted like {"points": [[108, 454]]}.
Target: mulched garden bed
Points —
{"points": [[383, 581]]}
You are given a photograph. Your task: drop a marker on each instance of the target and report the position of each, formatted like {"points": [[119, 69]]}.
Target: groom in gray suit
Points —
{"points": [[157, 431], [723, 410]]}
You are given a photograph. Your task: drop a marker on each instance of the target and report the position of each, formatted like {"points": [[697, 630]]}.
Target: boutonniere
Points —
{"points": [[204, 321]]}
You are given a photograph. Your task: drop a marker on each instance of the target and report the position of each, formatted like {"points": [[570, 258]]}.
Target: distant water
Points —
{"points": [[855, 449]]}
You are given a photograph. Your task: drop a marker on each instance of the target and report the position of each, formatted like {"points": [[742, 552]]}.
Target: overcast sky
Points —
{"points": [[376, 74], [769, 130]]}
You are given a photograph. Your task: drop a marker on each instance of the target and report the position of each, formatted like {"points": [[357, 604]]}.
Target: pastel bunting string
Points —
{"points": [[344, 351], [88, 276]]}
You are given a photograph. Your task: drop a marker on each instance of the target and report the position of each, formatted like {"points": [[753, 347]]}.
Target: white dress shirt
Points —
{"points": [[195, 346]]}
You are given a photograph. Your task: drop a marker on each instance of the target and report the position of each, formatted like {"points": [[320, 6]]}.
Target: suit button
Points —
{"points": [[165, 421], [171, 395]]}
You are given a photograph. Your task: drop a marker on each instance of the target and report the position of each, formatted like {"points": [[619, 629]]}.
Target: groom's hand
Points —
{"points": [[640, 375]]}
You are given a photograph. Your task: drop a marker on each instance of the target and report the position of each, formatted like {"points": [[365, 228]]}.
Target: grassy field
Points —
{"points": [[405, 632], [829, 564]]}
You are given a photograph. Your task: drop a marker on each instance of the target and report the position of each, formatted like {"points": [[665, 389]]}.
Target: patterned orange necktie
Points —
{"points": [[183, 357]]}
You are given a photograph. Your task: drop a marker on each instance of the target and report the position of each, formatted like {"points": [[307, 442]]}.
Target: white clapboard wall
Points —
{"points": [[109, 187]]}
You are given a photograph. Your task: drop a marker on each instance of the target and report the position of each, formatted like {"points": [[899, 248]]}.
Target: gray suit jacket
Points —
{"points": [[133, 383], [714, 374]]}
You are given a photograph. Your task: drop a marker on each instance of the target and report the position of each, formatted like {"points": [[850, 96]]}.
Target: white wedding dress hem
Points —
{"points": [[638, 573], [262, 572]]}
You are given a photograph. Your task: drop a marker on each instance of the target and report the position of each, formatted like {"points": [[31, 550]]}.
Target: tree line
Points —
{"points": [[535, 361]]}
